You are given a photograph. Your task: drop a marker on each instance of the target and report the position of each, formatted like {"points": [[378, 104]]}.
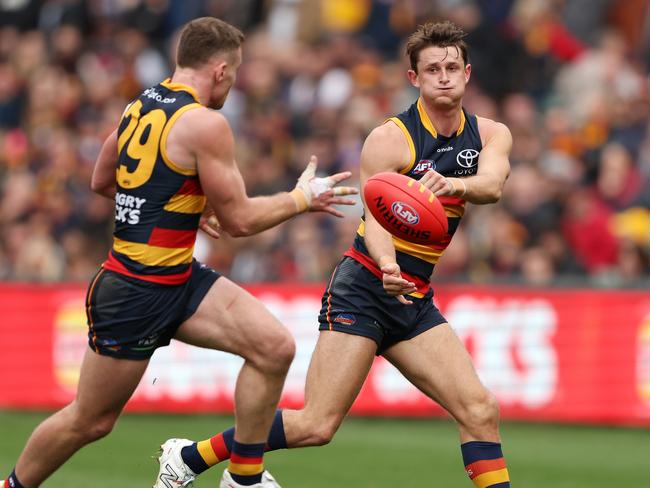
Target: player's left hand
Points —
{"points": [[438, 184], [319, 194], [209, 224]]}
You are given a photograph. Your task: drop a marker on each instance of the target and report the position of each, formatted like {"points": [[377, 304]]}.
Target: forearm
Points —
{"points": [[263, 212], [479, 189], [379, 243]]}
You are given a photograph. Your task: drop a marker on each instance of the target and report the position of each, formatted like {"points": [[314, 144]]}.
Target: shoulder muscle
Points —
{"points": [[494, 133], [385, 149]]}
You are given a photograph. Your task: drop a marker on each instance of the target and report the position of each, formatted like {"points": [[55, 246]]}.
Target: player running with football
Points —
{"points": [[171, 146], [379, 298]]}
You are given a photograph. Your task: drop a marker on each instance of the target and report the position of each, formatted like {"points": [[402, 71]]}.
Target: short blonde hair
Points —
{"points": [[204, 37]]}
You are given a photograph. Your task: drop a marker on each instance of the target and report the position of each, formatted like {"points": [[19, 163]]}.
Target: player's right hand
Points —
{"points": [[319, 194], [395, 285]]}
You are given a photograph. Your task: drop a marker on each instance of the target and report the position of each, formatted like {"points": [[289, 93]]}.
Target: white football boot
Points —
{"points": [[174, 473], [268, 481]]}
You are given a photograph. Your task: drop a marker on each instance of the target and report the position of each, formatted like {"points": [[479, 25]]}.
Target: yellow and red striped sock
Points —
{"points": [[205, 454], [246, 463], [485, 465]]}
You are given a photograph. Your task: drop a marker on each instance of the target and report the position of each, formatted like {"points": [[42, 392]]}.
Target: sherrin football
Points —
{"points": [[405, 208]]}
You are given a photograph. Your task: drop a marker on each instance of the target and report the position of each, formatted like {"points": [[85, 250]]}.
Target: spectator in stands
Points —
{"points": [[318, 76]]}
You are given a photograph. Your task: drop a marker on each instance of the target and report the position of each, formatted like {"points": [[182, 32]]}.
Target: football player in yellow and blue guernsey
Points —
{"points": [[170, 168], [379, 298]]}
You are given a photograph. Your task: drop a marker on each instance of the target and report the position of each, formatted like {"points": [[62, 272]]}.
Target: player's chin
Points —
{"points": [[445, 100]]}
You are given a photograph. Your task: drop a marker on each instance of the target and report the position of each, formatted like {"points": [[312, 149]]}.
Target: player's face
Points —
{"points": [[225, 75], [441, 75]]}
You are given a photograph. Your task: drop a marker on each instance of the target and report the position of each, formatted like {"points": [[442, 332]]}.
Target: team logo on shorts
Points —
{"points": [[405, 213], [345, 319]]}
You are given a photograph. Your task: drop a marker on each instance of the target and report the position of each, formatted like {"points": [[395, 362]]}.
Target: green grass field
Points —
{"points": [[365, 453]]}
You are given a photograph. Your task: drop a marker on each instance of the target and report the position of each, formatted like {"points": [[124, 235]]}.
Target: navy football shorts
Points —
{"points": [[130, 318], [355, 302]]}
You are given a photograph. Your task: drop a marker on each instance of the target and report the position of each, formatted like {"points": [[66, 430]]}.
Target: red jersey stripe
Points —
{"points": [[113, 264], [190, 187], [172, 238]]}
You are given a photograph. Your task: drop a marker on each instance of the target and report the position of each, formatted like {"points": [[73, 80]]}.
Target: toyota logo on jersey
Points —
{"points": [[467, 158]]}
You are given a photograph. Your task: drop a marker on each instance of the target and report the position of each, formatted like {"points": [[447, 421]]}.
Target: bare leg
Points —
{"points": [[338, 368], [230, 319], [438, 364], [105, 385]]}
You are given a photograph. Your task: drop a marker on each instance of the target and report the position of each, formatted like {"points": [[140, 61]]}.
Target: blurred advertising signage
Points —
{"points": [[557, 355]]}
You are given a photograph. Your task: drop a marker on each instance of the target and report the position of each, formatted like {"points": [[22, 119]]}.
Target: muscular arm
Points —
{"points": [[103, 180], [223, 184], [212, 143], [486, 185], [385, 149]]}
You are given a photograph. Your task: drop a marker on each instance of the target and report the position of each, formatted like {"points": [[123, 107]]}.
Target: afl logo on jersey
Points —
{"points": [[423, 166], [405, 213], [467, 158]]}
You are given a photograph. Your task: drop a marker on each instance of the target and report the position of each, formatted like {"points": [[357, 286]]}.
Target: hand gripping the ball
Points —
{"points": [[319, 194]]}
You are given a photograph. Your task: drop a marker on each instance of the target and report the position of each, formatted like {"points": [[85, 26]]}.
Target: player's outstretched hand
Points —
{"points": [[319, 194], [395, 285], [209, 224]]}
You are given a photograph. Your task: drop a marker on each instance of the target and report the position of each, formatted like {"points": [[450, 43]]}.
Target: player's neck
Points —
{"points": [[445, 119], [195, 80]]}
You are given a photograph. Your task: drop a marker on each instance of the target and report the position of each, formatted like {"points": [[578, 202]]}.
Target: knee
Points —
{"points": [[277, 352], [481, 414], [90, 429], [103, 426]]}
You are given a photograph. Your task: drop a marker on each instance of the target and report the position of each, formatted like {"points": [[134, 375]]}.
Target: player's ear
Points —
{"points": [[468, 72], [413, 78], [220, 71]]}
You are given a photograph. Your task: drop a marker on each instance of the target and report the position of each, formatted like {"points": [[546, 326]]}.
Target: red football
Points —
{"points": [[405, 208]]}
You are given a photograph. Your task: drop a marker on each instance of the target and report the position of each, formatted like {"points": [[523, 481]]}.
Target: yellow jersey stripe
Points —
{"points": [[426, 121], [409, 140], [461, 127], [153, 255], [165, 135], [454, 210], [420, 251], [425, 253], [491, 478], [186, 204]]}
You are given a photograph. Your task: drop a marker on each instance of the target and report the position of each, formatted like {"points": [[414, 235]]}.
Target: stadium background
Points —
{"points": [[548, 288]]}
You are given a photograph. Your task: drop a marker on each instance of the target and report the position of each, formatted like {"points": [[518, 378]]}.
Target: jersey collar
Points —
{"points": [[168, 83], [426, 121]]}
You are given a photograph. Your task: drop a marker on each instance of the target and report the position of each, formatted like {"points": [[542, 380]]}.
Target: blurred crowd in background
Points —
{"points": [[570, 78]]}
